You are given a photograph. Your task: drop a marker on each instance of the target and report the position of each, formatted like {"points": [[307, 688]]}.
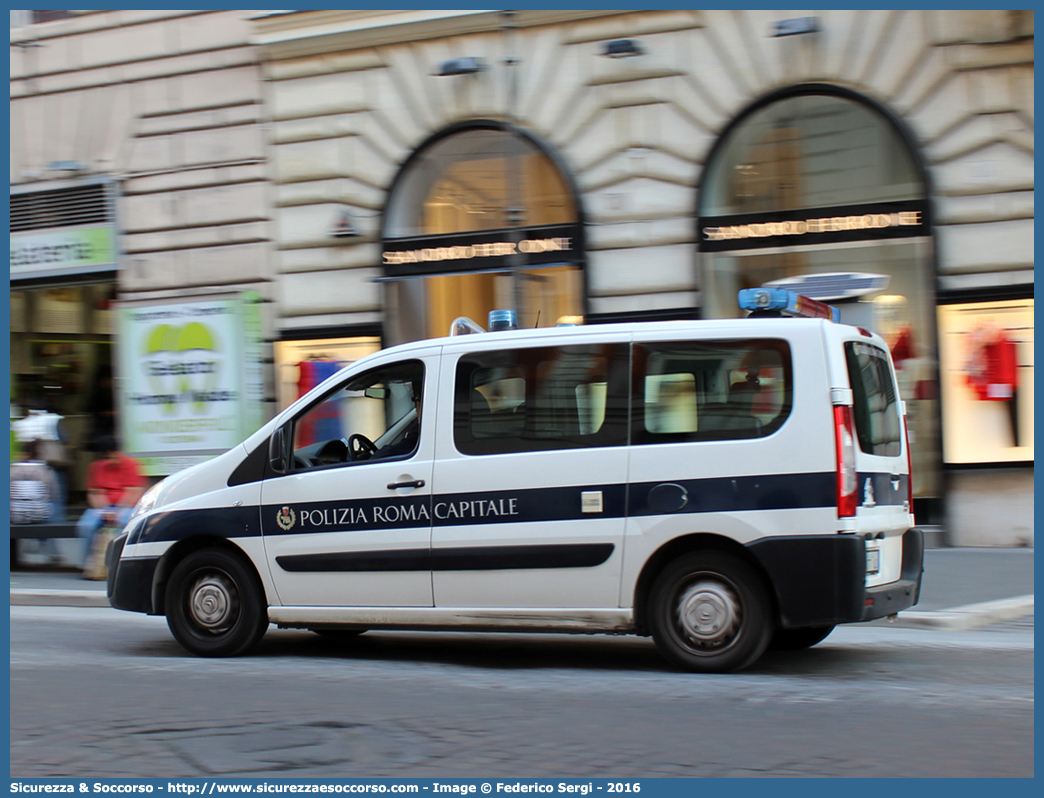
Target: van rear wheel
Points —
{"points": [[215, 604], [709, 613]]}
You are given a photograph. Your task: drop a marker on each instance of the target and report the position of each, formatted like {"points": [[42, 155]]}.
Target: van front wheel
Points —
{"points": [[215, 604], [709, 613]]}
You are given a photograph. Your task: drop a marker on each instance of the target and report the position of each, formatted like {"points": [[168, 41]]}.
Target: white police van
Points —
{"points": [[722, 486]]}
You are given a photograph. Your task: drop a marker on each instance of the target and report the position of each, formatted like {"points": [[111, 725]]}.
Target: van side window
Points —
{"points": [[875, 406], [525, 400], [710, 390], [376, 416]]}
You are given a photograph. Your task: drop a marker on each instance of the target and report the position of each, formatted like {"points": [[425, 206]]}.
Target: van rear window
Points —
{"points": [[710, 390], [875, 404], [542, 398]]}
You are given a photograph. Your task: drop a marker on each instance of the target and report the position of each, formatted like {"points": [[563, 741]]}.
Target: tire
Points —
{"points": [[798, 639], [215, 604], [338, 634], [709, 613]]}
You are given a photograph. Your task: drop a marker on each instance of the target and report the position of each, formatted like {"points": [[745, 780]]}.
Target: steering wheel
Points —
{"points": [[332, 452], [360, 447]]}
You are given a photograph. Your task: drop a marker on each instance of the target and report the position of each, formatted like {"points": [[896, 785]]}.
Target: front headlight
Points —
{"points": [[146, 502]]}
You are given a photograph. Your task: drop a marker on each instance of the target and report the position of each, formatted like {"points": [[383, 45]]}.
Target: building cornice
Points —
{"points": [[295, 34]]}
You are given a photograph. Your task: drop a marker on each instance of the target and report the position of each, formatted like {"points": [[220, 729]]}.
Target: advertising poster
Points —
{"points": [[986, 359], [190, 378]]}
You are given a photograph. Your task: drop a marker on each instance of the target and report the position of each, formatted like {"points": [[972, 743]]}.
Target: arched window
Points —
{"points": [[481, 217], [475, 180], [809, 151], [817, 189]]}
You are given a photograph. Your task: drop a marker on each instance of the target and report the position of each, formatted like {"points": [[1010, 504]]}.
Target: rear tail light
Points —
{"points": [[844, 429]]}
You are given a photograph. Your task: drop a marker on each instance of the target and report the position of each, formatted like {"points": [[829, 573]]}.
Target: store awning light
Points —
{"points": [[66, 166], [622, 48], [461, 66], [795, 27]]}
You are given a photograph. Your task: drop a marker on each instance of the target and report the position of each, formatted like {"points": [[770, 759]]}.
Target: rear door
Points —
{"points": [[882, 471], [730, 436], [530, 476], [349, 524]]}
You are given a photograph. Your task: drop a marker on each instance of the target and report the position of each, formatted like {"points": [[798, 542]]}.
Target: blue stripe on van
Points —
{"points": [[883, 492], [717, 495], [735, 494], [220, 522]]}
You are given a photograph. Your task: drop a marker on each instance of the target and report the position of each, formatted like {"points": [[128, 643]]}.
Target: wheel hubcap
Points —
{"points": [[708, 614], [212, 602]]}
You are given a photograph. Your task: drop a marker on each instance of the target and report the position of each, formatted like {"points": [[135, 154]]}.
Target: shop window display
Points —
{"points": [[986, 362], [62, 386], [825, 184]]}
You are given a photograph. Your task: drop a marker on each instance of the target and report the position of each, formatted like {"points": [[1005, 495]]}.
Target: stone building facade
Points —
{"points": [[136, 137], [373, 174]]}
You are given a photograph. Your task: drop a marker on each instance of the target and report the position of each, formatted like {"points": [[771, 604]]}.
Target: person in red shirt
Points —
{"points": [[114, 485]]}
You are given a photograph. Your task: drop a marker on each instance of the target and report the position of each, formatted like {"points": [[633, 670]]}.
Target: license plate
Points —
{"points": [[873, 561]]}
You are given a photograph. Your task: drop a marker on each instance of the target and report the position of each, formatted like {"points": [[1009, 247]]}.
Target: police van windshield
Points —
{"points": [[376, 416]]}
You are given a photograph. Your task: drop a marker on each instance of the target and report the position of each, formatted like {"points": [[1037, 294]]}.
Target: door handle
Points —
{"points": [[413, 483]]}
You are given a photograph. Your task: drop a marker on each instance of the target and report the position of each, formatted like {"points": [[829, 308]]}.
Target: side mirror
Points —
{"points": [[277, 451]]}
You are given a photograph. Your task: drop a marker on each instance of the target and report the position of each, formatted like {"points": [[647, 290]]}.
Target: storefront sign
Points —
{"points": [[55, 251], [190, 378], [813, 226], [480, 251]]}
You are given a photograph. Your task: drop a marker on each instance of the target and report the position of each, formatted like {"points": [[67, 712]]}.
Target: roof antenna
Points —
{"points": [[537, 321]]}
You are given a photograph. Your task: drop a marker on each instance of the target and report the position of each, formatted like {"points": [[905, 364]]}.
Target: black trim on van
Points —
{"points": [[252, 469], [820, 580], [478, 558], [132, 587]]}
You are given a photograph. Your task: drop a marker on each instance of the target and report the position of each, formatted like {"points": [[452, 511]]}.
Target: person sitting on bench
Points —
{"points": [[114, 485]]}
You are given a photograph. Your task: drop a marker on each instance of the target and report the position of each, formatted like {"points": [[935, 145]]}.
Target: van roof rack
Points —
{"points": [[780, 301]]}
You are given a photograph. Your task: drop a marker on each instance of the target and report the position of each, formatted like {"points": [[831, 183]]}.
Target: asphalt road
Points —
{"points": [[100, 693]]}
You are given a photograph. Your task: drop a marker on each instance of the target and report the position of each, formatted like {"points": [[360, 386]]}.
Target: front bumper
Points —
{"points": [[820, 580], [130, 580]]}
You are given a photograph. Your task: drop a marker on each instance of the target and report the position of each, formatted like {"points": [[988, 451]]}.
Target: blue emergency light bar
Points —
{"points": [[782, 301]]}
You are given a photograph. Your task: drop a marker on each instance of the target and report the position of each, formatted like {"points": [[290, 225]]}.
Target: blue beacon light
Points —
{"points": [[780, 300], [502, 320]]}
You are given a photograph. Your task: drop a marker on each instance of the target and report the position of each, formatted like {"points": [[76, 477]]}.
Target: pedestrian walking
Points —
{"points": [[34, 487]]}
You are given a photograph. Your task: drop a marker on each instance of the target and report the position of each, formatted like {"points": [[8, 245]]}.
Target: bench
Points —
{"points": [[61, 529]]}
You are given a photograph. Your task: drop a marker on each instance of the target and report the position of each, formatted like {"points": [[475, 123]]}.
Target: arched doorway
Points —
{"points": [[482, 216], [818, 189]]}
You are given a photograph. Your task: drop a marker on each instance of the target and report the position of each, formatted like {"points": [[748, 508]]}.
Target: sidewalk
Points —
{"points": [[962, 589]]}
